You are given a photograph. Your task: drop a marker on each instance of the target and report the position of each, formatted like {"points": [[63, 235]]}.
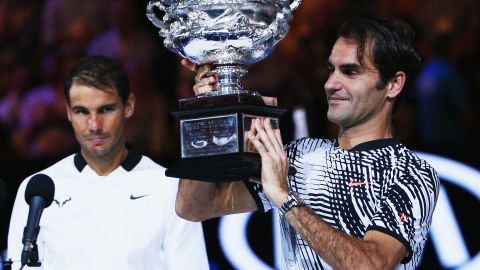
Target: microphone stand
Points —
{"points": [[29, 258], [30, 250], [7, 265], [30, 255]]}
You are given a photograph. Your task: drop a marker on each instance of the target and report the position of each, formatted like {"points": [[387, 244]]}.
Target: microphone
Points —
{"points": [[39, 195]]}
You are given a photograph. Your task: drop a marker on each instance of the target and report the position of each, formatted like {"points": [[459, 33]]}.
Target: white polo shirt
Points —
{"points": [[125, 220]]}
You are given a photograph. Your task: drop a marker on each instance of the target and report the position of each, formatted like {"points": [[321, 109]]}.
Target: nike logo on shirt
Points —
{"points": [[355, 183], [137, 197]]}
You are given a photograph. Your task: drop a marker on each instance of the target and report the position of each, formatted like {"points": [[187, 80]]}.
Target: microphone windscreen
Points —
{"points": [[40, 185], [3, 194]]}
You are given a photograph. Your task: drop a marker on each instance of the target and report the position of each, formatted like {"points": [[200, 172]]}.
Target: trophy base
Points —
{"points": [[213, 139], [222, 168]]}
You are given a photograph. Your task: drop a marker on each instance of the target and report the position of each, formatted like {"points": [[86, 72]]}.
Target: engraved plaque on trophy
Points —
{"points": [[227, 34]]}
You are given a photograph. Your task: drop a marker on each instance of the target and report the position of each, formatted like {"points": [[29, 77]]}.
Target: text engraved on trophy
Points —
{"points": [[209, 136]]}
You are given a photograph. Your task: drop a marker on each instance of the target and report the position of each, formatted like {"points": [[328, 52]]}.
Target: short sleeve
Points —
{"points": [[405, 211]]}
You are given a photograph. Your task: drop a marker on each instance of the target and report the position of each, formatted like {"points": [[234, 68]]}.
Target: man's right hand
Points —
{"points": [[205, 81]]}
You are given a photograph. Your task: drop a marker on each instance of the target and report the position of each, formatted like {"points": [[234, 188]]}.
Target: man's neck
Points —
{"points": [[104, 165], [369, 131]]}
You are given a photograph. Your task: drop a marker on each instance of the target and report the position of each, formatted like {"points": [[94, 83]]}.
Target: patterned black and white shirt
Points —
{"points": [[378, 185]]}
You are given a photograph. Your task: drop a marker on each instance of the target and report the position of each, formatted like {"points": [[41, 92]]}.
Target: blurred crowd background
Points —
{"points": [[41, 40]]}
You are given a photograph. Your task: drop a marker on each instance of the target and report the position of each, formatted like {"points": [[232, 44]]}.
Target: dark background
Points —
{"points": [[41, 40]]}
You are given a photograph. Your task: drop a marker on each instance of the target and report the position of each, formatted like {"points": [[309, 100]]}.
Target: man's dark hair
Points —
{"points": [[389, 43], [100, 72]]}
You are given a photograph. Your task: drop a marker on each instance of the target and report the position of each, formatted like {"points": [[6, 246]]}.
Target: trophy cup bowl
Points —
{"points": [[229, 35]]}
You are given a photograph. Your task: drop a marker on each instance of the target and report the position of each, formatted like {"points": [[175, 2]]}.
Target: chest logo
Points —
{"points": [[62, 203], [354, 183], [402, 218], [132, 197]]}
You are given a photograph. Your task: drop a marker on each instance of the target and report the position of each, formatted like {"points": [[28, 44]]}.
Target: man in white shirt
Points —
{"points": [[112, 209]]}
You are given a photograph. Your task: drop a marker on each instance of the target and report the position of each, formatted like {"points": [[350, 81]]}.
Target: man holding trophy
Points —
{"points": [[361, 201]]}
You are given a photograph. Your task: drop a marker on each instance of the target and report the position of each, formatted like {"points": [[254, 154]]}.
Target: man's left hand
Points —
{"points": [[268, 143]]}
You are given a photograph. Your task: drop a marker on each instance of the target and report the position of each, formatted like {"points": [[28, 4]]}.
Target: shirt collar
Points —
{"points": [[128, 163], [372, 145]]}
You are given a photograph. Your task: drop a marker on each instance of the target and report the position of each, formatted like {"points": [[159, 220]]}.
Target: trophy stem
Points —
{"points": [[229, 80]]}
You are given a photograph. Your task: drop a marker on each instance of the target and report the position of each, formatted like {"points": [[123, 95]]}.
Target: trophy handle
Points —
{"points": [[295, 4], [153, 18], [278, 25]]}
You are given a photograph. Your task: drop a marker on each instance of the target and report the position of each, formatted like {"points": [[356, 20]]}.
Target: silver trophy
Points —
{"points": [[229, 35]]}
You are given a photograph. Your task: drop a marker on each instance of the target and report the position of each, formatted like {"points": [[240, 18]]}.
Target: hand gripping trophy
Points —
{"points": [[227, 34]]}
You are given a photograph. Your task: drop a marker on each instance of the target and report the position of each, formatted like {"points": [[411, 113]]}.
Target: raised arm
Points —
{"points": [[376, 250], [198, 200]]}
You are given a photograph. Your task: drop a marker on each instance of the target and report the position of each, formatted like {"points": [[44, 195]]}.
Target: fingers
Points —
{"points": [[255, 140], [248, 143], [274, 135], [205, 81], [202, 72], [189, 64], [249, 147], [272, 101], [205, 85], [265, 138], [268, 136]]}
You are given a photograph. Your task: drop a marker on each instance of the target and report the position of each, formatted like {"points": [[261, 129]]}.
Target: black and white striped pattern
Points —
{"points": [[378, 185]]}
